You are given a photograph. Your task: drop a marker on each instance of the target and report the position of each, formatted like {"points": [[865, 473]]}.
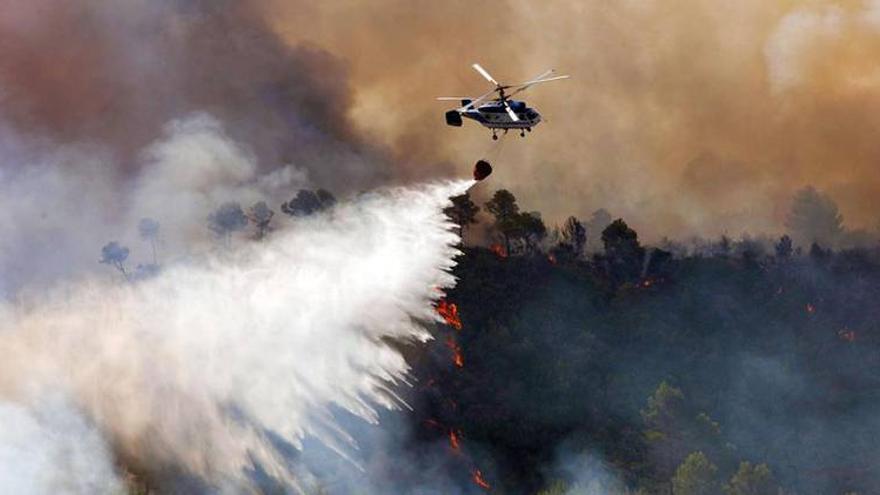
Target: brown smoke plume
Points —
{"points": [[684, 117]]}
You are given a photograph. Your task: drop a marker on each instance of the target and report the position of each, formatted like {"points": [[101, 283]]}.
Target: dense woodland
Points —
{"points": [[743, 366], [577, 360]]}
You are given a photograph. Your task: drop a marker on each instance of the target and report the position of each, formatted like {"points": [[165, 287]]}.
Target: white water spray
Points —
{"points": [[200, 367]]}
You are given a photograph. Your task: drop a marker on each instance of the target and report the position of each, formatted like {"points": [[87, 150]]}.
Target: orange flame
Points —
{"points": [[449, 312], [499, 250], [456, 352], [810, 308], [847, 335], [477, 476], [453, 440], [551, 259]]}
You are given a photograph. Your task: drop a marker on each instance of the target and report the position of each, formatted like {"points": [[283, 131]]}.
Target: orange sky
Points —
{"points": [[684, 117]]}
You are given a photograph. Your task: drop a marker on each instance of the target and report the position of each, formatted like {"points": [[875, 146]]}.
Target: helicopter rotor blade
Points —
{"points": [[527, 85], [537, 78], [478, 100], [454, 98], [485, 74], [510, 111]]}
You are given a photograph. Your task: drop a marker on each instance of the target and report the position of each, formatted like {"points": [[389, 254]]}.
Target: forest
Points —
{"points": [[740, 367], [578, 360]]}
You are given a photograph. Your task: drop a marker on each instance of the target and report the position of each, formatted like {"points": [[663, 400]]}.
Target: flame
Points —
{"points": [[449, 312], [847, 335], [499, 250], [810, 308], [456, 352], [551, 259], [477, 476], [453, 441]]}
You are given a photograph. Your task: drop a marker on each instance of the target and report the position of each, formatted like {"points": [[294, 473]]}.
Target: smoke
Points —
{"points": [[52, 449], [114, 73], [684, 120], [217, 363], [773, 95]]}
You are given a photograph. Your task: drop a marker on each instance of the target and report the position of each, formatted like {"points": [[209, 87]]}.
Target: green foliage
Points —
{"points": [[752, 479], [463, 212], [502, 205], [695, 476], [526, 229], [665, 408]]}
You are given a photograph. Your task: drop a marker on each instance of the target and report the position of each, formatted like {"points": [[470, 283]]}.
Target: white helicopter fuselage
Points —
{"points": [[494, 116], [495, 109]]}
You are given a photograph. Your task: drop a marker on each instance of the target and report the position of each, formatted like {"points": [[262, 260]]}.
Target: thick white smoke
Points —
{"points": [[213, 364], [50, 448]]}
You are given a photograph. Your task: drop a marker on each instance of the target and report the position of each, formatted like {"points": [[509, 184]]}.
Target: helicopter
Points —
{"points": [[499, 112]]}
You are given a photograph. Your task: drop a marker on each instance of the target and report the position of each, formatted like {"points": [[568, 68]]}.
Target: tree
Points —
{"points": [[752, 479], [226, 219], [531, 229], [463, 212], [326, 199], [673, 428], [261, 216], [574, 235], [115, 254], [623, 253], [784, 248], [506, 212], [665, 408], [307, 202], [814, 217], [149, 231], [695, 476]]}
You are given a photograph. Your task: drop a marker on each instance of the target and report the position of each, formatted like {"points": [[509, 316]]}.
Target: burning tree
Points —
{"points": [[514, 226], [505, 210]]}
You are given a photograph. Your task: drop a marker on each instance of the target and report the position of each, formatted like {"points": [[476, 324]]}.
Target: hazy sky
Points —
{"points": [[693, 115], [685, 117]]}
